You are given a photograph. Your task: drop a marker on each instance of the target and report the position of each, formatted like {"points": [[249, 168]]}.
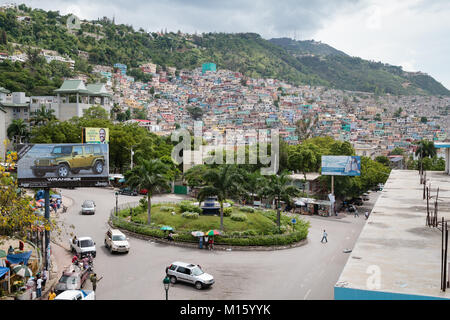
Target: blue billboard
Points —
{"points": [[341, 165]]}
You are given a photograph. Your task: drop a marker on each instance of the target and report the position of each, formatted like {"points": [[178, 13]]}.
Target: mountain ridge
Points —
{"points": [[305, 62]]}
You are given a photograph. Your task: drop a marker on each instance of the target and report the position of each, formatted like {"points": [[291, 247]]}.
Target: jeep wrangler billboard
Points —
{"points": [[63, 165]]}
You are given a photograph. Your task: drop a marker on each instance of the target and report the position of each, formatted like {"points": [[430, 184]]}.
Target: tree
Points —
{"points": [[383, 160], [18, 130], [305, 127], [149, 175], [220, 182], [4, 38], [17, 216], [280, 189], [306, 158], [95, 112], [43, 116], [425, 149], [397, 151], [252, 183], [195, 112]]}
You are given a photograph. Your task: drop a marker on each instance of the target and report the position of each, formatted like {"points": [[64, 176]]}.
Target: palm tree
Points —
{"points": [[253, 182], [43, 116], [426, 149], [18, 130], [279, 189], [221, 182], [149, 175]]}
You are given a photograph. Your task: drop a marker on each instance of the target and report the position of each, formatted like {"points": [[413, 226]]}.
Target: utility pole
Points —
{"points": [[132, 153], [47, 233]]}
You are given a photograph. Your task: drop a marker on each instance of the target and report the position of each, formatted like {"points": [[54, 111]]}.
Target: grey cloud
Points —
{"points": [[266, 17]]}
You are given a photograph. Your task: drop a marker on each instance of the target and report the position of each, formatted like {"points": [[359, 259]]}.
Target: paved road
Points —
{"points": [[306, 272]]}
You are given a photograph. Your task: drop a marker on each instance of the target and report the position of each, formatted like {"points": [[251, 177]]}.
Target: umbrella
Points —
{"points": [[213, 233], [121, 180], [2, 253], [22, 271], [165, 228], [56, 196], [40, 200], [197, 233], [300, 203]]}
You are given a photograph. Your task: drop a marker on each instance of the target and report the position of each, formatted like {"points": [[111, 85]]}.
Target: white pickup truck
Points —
{"points": [[76, 295], [82, 246]]}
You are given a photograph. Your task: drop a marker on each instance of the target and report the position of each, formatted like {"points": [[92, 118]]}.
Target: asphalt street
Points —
{"points": [[306, 272]]}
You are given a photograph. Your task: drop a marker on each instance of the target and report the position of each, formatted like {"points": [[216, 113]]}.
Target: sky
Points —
{"points": [[414, 34]]}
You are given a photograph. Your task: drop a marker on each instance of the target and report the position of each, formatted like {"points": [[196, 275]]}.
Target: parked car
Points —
{"points": [[88, 207], [76, 295], [143, 191], [357, 201], [115, 240], [66, 159], [82, 246], [190, 273], [128, 191], [72, 280], [365, 197]]}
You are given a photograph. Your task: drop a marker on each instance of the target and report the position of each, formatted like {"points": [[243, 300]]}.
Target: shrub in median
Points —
{"points": [[166, 208], [247, 209], [227, 212], [238, 217], [190, 215], [189, 206]]}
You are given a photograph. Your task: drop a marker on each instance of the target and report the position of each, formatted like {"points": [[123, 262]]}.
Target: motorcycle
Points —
{"points": [[87, 262]]}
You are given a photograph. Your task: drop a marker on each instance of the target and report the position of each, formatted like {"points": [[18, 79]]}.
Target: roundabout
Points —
{"points": [[312, 268]]}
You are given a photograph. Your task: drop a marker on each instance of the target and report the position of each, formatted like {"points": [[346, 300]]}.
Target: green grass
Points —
{"points": [[260, 222], [260, 228]]}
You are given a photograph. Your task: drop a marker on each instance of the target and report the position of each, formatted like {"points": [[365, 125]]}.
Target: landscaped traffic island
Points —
{"points": [[243, 226]]}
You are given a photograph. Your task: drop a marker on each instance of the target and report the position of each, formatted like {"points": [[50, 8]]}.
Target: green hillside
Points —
{"points": [[306, 47], [108, 43]]}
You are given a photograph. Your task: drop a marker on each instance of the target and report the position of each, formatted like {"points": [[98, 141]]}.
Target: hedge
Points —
{"points": [[247, 209], [255, 240], [189, 206], [238, 217], [190, 215]]}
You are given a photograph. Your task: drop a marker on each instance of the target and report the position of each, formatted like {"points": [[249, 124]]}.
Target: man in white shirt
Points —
{"points": [[39, 287], [324, 237]]}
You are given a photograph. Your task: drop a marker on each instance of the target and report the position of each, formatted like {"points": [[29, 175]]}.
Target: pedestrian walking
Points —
{"points": [[356, 213], [324, 236], [94, 280], [58, 203], [367, 215], [39, 287]]}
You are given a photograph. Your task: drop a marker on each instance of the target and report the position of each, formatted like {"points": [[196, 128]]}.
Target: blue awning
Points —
{"points": [[19, 257], [3, 271]]}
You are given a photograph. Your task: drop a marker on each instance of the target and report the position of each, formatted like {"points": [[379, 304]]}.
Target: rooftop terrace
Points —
{"points": [[396, 241]]}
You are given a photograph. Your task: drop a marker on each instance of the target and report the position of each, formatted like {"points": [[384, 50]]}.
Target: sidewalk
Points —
{"points": [[61, 257]]}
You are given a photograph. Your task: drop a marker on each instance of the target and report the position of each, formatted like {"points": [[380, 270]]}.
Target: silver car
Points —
{"points": [[88, 207], [190, 273]]}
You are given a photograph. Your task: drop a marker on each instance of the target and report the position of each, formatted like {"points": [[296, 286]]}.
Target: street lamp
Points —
{"points": [[117, 202], [166, 282]]}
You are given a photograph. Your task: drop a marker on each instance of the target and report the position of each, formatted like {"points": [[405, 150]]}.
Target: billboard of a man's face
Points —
{"points": [[102, 134], [96, 135]]}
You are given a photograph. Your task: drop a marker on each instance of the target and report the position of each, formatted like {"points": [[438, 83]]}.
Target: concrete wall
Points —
{"points": [[67, 111], [357, 294]]}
